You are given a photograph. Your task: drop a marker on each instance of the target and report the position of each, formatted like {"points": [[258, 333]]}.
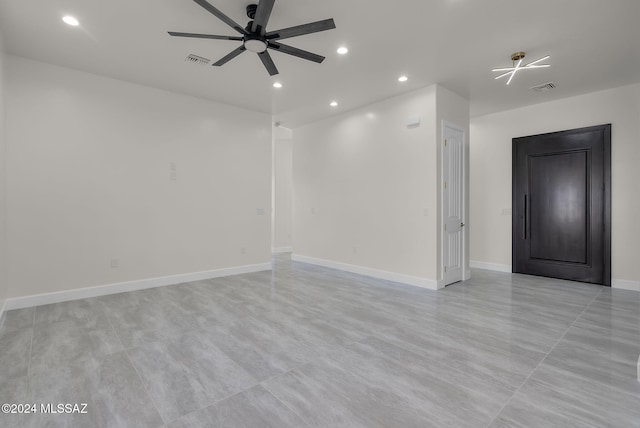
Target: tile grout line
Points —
{"points": [[325, 354], [216, 402], [33, 333], [285, 404], [125, 350], [299, 366], [258, 382], [543, 359], [155, 405], [113, 329], [234, 394]]}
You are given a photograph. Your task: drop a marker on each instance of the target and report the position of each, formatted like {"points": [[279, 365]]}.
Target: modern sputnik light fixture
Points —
{"points": [[511, 71]]}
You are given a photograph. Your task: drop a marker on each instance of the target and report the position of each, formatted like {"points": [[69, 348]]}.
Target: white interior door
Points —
{"points": [[452, 203]]}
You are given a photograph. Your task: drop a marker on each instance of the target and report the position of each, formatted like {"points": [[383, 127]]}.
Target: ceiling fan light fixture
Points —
{"points": [[342, 50], [255, 37], [255, 45]]}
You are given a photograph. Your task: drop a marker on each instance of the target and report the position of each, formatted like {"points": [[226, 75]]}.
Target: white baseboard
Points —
{"points": [[367, 271], [625, 284], [121, 287], [278, 250], [490, 266]]}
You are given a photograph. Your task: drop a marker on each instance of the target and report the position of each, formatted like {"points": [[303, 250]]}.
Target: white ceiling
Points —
{"points": [[594, 44]]}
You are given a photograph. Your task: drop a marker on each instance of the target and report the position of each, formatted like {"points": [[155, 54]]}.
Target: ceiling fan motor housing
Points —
{"points": [[251, 10]]}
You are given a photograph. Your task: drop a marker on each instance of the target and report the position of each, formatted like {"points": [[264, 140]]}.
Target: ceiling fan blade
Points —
{"points": [[203, 36], [221, 16], [296, 52], [303, 29], [231, 55], [268, 63], [262, 15]]}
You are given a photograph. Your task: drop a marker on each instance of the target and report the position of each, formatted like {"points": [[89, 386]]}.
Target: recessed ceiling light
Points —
{"points": [[277, 85], [334, 104], [403, 79], [342, 50], [70, 20]]}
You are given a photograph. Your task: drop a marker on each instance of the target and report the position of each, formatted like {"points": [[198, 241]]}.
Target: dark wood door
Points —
{"points": [[561, 205]]}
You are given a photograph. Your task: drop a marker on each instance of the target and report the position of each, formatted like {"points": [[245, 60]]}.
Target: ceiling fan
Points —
{"points": [[256, 38]]}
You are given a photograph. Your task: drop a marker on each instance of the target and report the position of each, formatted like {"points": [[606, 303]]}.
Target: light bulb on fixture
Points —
{"points": [[403, 79], [342, 50], [70, 20], [334, 104], [512, 71], [277, 85], [255, 45]]}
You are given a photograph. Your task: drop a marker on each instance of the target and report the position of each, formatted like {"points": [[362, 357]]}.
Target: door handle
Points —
{"points": [[461, 224], [524, 223]]}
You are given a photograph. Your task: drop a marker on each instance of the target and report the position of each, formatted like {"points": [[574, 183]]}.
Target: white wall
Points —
{"points": [[89, 179], [362, 182], [3, 240], [367, 188], [491, 171], [283, 189]]}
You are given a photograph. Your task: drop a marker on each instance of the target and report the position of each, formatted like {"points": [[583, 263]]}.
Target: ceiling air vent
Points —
{"points": [[195, 59], [545, 87]]}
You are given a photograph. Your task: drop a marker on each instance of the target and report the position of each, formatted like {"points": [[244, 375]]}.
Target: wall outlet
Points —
{"points": [[355, 250], [425, 212], [243, 250], [313, 210], [173, 176], [114, 263], [506, 211], [259, 211], [173, 166]]}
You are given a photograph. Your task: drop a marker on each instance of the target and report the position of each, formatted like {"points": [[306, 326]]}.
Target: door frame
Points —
{"points": [[463, 176], [606, 195]]}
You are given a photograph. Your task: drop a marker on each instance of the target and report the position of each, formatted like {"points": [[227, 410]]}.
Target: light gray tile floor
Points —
{"points": [[305, 346]]}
